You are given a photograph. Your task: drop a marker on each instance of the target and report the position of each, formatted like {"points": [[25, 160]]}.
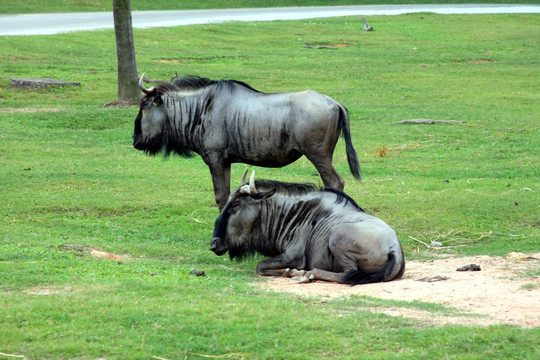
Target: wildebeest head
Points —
{"points": [[238, 216], [149, 134]]}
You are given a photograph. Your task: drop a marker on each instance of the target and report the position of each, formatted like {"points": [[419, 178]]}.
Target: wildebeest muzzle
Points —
{"points": [[137, 142], [218, 246]]}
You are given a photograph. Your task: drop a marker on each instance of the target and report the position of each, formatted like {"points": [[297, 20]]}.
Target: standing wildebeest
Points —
{"points": [[228, 121], [320, 234]]}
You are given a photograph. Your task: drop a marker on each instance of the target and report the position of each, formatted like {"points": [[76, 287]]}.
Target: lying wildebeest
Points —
{"points": [[319, 234], [228, 121]]}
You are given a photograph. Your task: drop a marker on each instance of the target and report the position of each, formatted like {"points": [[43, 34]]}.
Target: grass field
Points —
{"points": [[71, 183]]}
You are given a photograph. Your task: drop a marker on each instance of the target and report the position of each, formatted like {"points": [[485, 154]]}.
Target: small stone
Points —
{"points": [[197, 272], [470, 267]]}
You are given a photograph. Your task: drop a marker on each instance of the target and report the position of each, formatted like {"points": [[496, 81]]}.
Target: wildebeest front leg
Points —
{"points": [[318, 274], [282, 265], [294, 273], [221, 177]]}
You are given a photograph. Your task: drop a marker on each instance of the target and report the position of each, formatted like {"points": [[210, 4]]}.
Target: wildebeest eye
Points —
{"points": [[236, 205], [146, 101], [158, 101]]}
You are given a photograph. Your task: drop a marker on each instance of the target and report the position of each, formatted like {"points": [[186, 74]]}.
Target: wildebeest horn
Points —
{"points": [[141, 86], [244, 177], [252, 188]]}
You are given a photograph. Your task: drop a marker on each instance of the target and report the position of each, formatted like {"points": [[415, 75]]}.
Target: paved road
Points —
{"points": [[43, 24]]}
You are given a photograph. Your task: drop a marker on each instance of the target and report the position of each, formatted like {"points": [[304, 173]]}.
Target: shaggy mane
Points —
{"points": [[285, 187], [342, 197], [192, 82], [304, 188]]}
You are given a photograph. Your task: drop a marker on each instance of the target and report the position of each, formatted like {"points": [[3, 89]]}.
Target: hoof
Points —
{"points": [[295, 272], [303, 280]]}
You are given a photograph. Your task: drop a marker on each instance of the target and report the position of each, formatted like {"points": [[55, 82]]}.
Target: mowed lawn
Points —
{"points": [[74, 191]]}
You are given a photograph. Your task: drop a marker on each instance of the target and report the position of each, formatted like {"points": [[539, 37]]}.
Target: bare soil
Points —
{"points": [[505, 290]]}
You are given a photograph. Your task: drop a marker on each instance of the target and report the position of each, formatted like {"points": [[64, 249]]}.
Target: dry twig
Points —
{"points": [[12, 355], [420, 241], [383, 151], [429, 121], [306, 45], [224, 356]]}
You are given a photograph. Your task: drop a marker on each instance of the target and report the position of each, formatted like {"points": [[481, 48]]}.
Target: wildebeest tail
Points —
{"points": [[352, 158], [357, 277]]}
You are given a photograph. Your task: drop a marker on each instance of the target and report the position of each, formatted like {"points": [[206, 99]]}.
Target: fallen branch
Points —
{"points": [[12, 355], [29, 83], [433, 278], [306, 45], [420, 241], [224, 356], [448, 247], [428, 121], [434, 245], [383, 151]]}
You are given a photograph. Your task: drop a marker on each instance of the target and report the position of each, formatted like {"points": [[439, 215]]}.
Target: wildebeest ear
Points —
{"points": [[264, 195], [158, 101]]}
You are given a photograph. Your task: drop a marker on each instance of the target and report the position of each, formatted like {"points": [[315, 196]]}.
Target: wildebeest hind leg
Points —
{"points": [[318, 274], [346, 251], [329, 175]]}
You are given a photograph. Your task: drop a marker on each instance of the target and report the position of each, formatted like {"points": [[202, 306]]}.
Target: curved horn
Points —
{"points": [[244, 177], [141, 86], [252, 188]]}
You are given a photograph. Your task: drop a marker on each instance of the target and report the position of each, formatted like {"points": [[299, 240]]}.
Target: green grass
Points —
{"points": [[69, 176]]}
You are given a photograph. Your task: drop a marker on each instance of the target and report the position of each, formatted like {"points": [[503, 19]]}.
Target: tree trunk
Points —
{"points": [[128, 89]]}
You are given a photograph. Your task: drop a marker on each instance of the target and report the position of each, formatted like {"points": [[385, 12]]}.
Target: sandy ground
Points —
{"points": [[504, 291]]}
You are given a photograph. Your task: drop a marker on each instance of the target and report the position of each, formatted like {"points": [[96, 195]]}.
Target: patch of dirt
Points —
{"points": [[504, 291], [106, 255], [81, 250], [49, 290], [480, 61]]}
